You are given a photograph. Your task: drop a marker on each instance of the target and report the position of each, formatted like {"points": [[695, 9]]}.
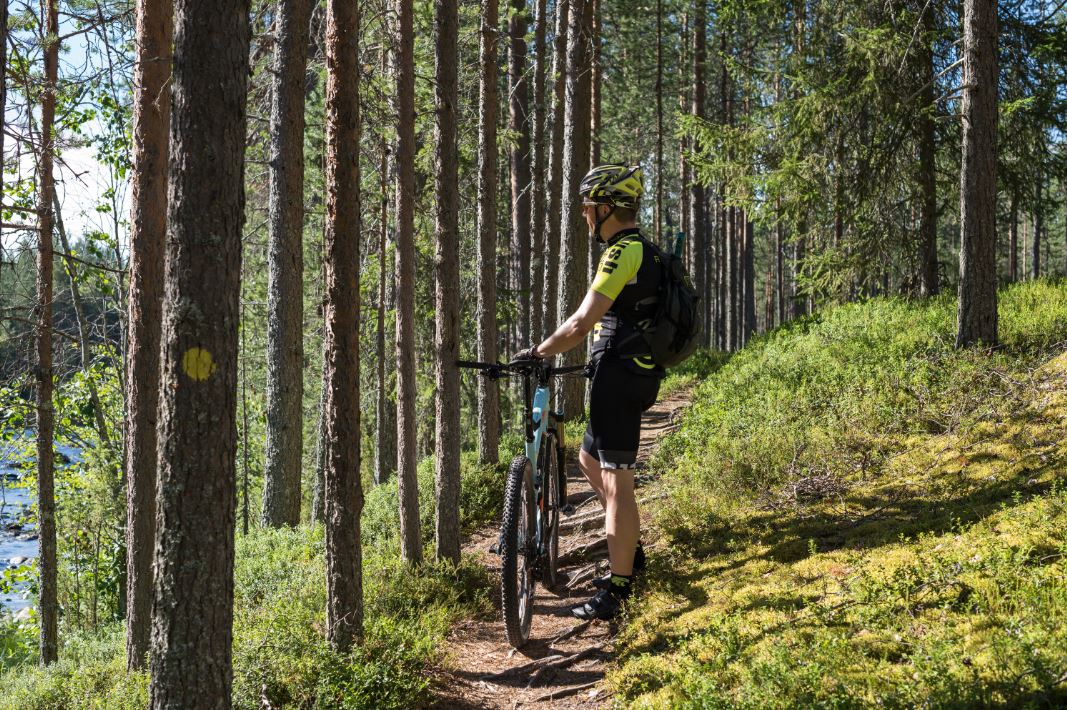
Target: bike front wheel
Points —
{"points": [[518, 551], [553, 484]]}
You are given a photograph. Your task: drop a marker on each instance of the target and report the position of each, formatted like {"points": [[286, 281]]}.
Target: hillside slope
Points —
{"points": [[861, 515]]}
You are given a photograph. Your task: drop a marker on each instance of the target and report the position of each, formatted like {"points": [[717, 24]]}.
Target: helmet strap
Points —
{"points": [[600, 223]]}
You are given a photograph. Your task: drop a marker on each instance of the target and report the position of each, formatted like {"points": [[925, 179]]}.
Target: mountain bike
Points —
{"points": [[534, 495]]}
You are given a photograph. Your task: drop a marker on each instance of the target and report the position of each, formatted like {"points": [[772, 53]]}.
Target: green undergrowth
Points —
{"points": [[279, 649], [860, 515]]}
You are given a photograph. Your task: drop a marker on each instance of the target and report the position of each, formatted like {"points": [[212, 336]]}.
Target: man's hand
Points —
{"points": [[530, 354]]}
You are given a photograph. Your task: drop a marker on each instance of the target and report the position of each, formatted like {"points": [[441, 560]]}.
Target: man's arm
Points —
{"points": [[574, 329]]}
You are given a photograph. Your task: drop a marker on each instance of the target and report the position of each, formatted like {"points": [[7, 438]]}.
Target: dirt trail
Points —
{"points": [[564, 663]]}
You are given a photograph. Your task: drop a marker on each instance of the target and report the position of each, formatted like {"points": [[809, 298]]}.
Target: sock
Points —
{"points": [[639, 558], [620, 584]]}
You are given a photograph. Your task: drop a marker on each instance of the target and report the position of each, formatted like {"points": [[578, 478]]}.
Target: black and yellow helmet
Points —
{"points": [[613, 184]]}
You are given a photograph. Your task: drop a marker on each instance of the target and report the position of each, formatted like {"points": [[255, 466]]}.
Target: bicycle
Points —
{"points": [[529, 531]]}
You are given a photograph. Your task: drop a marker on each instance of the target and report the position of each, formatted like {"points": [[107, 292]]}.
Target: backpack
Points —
{"points": [[675, 330]]}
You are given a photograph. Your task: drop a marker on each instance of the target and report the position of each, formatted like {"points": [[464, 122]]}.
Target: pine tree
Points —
{"points": [[192, 613], [285, 282], [344, 489]]}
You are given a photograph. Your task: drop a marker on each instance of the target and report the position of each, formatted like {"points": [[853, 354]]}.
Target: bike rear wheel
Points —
{"points": [[552, 483], [518, 551]]}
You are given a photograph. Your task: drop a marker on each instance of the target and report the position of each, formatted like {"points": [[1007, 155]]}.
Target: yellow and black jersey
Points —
{"points": [[629, 273]]}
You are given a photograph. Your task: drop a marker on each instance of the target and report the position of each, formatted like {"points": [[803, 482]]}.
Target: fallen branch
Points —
{"points": [[578, 523], [564, 662], [563, 692], [587, 572], [598, 547], [573, 631], [524, 668]]}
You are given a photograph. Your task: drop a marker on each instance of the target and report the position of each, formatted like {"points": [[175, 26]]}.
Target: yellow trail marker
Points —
{"points": [[198, 364]]}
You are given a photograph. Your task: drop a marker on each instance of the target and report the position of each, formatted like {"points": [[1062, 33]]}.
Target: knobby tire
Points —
{"points": [[553, 483], [518, 531]]}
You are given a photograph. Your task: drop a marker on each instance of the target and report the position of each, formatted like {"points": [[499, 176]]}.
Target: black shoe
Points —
{"points": [[604, 605], [639, 567]]}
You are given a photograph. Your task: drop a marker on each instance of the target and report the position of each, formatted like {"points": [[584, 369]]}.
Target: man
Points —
{"points": [[621, 299]]}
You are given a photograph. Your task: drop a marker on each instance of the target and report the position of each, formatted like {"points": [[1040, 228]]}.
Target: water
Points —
{"points": [[18, 530]]}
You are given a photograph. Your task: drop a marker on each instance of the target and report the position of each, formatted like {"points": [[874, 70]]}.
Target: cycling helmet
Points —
{"points": [[613, 184]]}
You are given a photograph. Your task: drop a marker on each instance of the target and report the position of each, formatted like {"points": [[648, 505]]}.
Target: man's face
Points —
{"points": [[589, 211]]}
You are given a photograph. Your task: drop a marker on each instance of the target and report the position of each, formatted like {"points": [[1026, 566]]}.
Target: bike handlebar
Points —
{"points": [[502, 369]]}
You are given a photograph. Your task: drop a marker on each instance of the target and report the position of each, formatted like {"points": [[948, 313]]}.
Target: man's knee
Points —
{"points": [[618, 483]]}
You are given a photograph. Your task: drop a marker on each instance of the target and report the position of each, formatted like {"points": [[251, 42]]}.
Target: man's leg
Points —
{"points": [[591, 468], [622, 521]]}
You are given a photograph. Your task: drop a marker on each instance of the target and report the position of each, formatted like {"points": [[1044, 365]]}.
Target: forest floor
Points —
{"points": [[565, 660]]}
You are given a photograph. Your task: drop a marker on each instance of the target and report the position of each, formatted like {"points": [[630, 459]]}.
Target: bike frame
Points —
{"points": [[537, 420]]}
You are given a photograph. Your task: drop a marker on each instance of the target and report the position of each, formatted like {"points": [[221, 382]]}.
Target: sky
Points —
{"points": [[81, 180]]}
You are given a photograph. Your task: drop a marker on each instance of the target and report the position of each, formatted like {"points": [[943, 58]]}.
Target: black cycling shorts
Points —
{"points": [[618, 397]]}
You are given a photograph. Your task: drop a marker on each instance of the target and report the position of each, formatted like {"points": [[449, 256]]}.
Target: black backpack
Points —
{"points": [[675, 329]]}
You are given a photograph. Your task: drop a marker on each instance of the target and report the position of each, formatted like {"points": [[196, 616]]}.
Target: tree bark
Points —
{"points": [[446, 287], [574, 246], [977, 316], [555, 166], [192, 613], [46, 503], [406, 433], [658, 220], [537, 188], [384, 424], [519, 155], [749, 276], [344, 489], [779, 263], [697, 215], [928, 285], [285, 273], [1038, 229], [1013, 240], [488, 390]]}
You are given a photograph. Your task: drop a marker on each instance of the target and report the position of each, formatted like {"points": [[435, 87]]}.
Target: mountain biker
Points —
{"points": [[625, 380]]}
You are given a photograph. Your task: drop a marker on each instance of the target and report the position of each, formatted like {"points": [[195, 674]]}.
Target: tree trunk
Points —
{"points": [[977, 318], [574, 247], [1039, 227], [684, 97], [46, 503], [595, 87], [537, 188], [779, 262], [697, 215], [285, 274], [488, 390], [192, 614], [519, 154], [446, 287], [658, 221], [407, 439], [928, 285], [555, 166], [384, 425], [749, 277], [1013, 240], [596, 81], [318, 492], [344, 489]]}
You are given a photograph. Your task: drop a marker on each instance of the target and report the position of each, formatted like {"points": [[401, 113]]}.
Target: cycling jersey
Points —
{"points": [[629, 273]]}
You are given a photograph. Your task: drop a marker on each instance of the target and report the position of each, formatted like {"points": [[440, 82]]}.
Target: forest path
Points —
{"points": [[564, 662]]}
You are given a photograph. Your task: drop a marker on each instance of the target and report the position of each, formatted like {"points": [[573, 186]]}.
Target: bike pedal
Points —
{"points": [[567, 509]]}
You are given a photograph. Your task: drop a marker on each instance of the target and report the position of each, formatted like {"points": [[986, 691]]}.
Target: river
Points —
{"points": [[18, 531]]}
